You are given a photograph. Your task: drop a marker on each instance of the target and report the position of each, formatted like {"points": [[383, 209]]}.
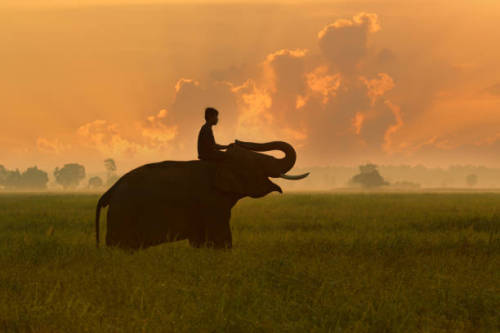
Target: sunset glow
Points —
{"points": [[344, 83]]}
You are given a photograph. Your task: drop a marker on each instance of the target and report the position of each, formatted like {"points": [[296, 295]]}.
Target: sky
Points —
{"points": [[345, 82]]}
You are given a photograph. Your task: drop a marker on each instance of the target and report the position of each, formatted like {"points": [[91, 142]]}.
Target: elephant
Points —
{"points": [[178, 200]]}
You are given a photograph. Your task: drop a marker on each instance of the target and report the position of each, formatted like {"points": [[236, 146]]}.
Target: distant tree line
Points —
{"points": [[69, 177], [398, 176], [31, 179]]}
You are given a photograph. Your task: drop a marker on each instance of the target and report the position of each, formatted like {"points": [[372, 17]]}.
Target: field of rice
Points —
{"points": [[301, 262]]}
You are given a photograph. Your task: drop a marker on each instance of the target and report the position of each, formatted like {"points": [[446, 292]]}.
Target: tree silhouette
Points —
{"points": [[10, 179], [34, 178], [110, 166], [368, 177], [3, 174], [70, 175], [95, 182], [31, 179]]}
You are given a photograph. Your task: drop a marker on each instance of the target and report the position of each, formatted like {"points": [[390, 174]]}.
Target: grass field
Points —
{"points": [[301, 263]]}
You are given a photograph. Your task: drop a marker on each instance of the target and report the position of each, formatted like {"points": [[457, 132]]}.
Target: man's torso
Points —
{"points": [[206, 142]]}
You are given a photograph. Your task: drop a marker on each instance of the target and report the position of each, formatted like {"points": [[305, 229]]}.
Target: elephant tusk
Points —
{"points": [[294, 177]]}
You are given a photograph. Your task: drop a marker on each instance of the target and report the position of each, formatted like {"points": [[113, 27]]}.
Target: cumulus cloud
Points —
{"points": [[284, 70], [51, 145], [183, 81], [344, 43], [333, 110], [284, 74], [396, 110], [322, 84], [378, 87], [273, 80], [155, 136], [156, 130], [254, 114], [106, 137], [170, 133], [330, 110], [345, 102]]}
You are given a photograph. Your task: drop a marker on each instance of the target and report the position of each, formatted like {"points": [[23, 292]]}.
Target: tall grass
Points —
{"points": [[301, 263]]}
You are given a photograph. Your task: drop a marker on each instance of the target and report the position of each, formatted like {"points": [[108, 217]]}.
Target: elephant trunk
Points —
{"points": [[283, 165]]}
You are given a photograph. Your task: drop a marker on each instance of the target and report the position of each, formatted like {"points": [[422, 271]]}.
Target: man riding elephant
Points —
{"points": [[208, 149], [175, 200]]}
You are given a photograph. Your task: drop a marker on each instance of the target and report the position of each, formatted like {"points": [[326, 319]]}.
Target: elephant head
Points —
{"points": [[246, 171]]}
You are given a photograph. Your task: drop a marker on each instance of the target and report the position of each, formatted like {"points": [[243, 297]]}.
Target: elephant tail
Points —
{"points": [[103, 202]]}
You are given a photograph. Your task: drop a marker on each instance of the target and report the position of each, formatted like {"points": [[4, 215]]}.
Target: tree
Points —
{"points": [[110, 166], [368, 177], [471, 180], [70, 175], [10, 179], [3, 174], [34, 178], [95, 182]]}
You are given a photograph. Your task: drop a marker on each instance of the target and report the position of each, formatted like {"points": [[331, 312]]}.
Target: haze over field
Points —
{"points": [[345, 82]]}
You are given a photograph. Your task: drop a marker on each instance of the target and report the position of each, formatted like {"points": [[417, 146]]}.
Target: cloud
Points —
{"points": [[157, 132], [379, 86], [105, 137], [254, 115], [342, 93], [388, 141], [156, 136], [284, 70], [284, 81], [181, 82], [51, 146], [334, 110], [325, 109], [322, 84], [171, 132], [385, 57], [344, 43], [328, 107]]}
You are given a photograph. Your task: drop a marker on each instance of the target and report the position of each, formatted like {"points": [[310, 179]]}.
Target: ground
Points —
{"points": [[303, 262]]}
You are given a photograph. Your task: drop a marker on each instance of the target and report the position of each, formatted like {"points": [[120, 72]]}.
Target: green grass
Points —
{"points": [[301, 263]]}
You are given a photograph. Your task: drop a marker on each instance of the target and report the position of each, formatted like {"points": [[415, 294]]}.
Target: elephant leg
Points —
{"points": [[218, 230], [119, 230], [210, 225], [197, 236], [196, 230]]}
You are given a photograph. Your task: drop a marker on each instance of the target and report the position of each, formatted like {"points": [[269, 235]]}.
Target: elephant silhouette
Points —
{"points": [[177, 200]]}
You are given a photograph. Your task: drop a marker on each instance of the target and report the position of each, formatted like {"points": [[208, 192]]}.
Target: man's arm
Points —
{"points": [[212, 141]]}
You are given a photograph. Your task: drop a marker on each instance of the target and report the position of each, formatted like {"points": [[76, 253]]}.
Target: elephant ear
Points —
{"points": [[238, 175]]}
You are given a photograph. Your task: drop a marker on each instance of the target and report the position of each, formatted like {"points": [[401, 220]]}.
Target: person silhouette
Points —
{"points": [[208, 149]]}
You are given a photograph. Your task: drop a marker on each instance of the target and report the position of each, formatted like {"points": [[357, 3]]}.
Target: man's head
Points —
{"points": [[211, 116]]}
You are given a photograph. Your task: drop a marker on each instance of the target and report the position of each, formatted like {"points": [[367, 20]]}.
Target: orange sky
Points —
{"points": [[346, 82]]}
